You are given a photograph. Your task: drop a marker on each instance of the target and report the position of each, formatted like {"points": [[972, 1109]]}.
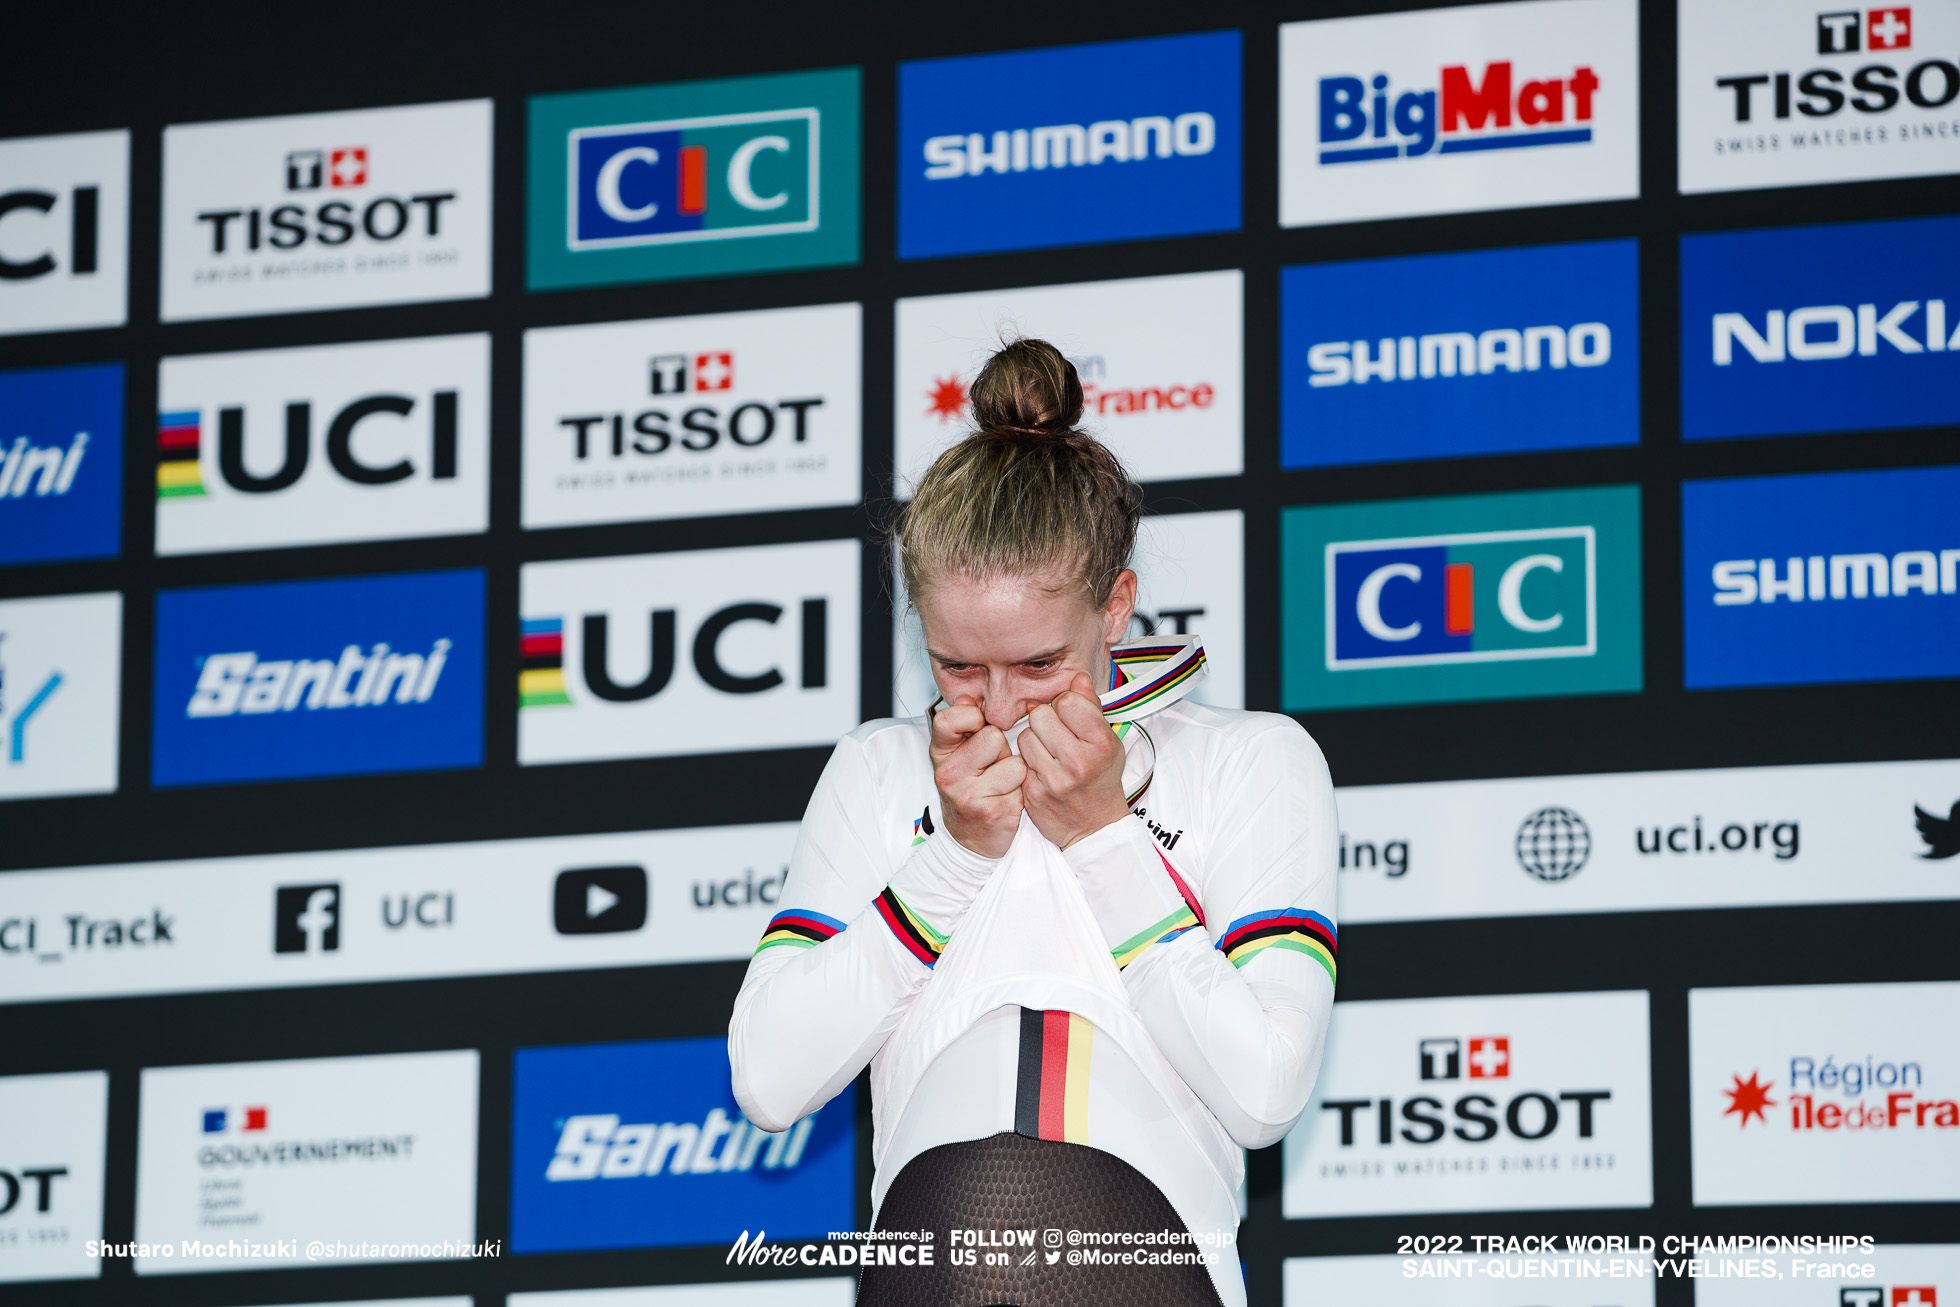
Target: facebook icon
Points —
{"points": [[306, 919]]}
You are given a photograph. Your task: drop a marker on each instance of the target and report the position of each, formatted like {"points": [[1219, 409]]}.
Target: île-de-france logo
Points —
{"points": [[947, 399], [1748, 1098]]}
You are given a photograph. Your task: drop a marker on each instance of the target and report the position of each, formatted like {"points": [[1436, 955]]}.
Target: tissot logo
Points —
{"points": [[306, 919], [260, 217], [677, 417], [1116, 141], [318, 678], [1417, 1109], [64, 232], [693, 179], [688, 653], [1481, 107], [599, 900], [51, 1155], [1774, 95], [61, 463], [377, 440]]}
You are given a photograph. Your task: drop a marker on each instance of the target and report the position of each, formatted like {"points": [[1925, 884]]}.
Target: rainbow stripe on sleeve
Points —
{"points": [[1188, 914], [798, 928], [1289, 928], [919, 939]]}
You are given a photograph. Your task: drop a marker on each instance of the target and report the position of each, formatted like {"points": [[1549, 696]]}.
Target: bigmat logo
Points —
{"points": [[1773, 94], [1869, 832], [641, 1145], [1390, 1281], [1122, 140], [318, 678], [370, 441], [660, 654], [64, 232], [1838, 328], [1902, 1275], [61, 463], [336, 1150], [1484, 597], [51, 1158], [325, 211], [1452, 110], [693, 179], [1444, 355], [60, 693], [1190, 581], [1477, 1105], [679, 417], [1159, 358], [1825, 1094], [1840, 576]]}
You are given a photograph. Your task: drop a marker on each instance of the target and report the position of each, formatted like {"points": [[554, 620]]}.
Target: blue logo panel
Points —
{"points": [[1845, 576], [641, 1145], [1447, 355], [1122, 140], [1849, 327], [319, 678], [61, 463]]}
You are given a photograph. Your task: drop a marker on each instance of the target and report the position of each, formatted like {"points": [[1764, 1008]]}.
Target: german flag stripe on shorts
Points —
{"points": [[919, 939], [798, 928], [1051, 1089], [1289, 928]]}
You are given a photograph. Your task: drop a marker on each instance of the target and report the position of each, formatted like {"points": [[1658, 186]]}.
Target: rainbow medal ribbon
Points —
{"points": [[1157, 672]]}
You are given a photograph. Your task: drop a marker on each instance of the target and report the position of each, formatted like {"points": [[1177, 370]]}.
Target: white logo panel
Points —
{"points": [[1190, 581], [1641, 841], [64, 232], [1477, 1105], [1159, 359], [326, 211], [52, 1131], [703, 652], [683, 417], [1825, 1094], [1902, 1275], [1772, 94], [60, 695], [271, 1156], [1498, 106], [376, 440], [1404, 1282]]}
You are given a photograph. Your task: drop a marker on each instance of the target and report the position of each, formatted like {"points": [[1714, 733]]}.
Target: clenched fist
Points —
{"points": [[1075, 766], [979, 780]]}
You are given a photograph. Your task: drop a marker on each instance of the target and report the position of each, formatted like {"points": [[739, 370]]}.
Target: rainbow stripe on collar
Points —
{"points": [[1159, 671]]}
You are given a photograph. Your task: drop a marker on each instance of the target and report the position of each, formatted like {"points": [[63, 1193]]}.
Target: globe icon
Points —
{"points": [[1553, 843]]}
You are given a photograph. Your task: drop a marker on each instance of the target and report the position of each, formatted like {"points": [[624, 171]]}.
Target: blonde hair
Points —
{"points": [[1026, 494]]}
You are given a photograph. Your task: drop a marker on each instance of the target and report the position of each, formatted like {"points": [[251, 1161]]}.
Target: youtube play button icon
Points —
{"points": [[599, 900]]}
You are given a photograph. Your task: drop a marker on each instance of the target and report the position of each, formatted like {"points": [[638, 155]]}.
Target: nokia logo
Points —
{"points": [[1834, 331]]}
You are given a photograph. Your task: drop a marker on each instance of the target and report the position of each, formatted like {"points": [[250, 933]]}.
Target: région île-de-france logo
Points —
{"points": [[1501, 109], [717, 177], [1900, 1102], [235, 1120], [947, 399]]}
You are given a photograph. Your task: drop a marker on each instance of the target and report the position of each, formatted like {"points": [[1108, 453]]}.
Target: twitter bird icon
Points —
{"points": [[1942, 834]]}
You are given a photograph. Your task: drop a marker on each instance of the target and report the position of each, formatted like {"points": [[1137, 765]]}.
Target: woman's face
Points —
{"points": [[1014, 642]]}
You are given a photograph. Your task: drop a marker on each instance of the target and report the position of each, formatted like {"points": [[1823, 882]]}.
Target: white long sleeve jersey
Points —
{"points": [[1159, 991]]}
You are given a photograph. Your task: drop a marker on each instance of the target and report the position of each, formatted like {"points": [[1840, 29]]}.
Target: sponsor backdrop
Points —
{"points": [[445, 472]]}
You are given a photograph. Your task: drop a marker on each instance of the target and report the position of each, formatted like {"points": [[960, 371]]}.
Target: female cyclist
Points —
{"points": [[1080, 927]]}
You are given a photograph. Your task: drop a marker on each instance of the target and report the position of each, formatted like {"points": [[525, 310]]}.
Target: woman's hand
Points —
{"points": [[1075, 766], [979, 780]]}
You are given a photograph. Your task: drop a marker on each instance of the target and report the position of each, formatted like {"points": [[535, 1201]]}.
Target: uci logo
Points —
{"points": [[180, 466], [693, 179], [1483, 596], [541, 651]]}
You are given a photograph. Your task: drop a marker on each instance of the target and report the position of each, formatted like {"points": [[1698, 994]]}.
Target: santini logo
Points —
{"points": [[600, 1148], [1475, 597], [1477, 114], [1833, 331], [1070, 145], [693, 179], [1460, 354], [243, 683], [1837, 576], [43, 469]]}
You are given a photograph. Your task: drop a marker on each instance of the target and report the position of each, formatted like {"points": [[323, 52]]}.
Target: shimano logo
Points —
{"points": [[600, 1148], [1837, 576], [243, 683], [1476, 114], [1834, 331], [1070, 145], [1460, 354]]}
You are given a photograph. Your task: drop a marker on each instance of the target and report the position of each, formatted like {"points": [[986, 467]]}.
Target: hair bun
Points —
{"points": [[1028, 388]]}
